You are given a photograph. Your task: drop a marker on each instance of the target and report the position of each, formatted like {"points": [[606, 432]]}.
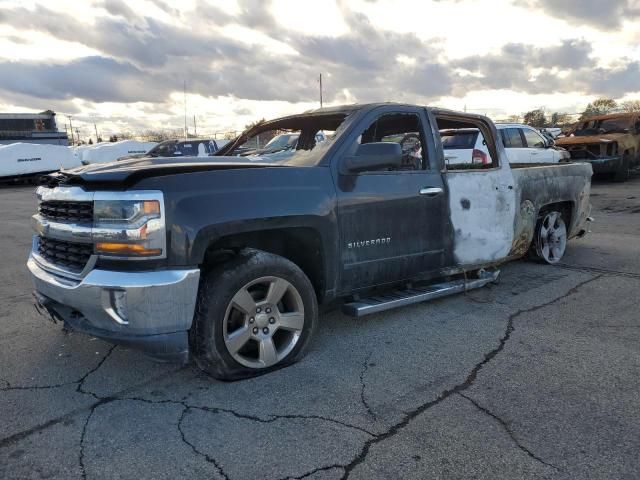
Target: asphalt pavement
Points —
{"points": [[537, 376]]}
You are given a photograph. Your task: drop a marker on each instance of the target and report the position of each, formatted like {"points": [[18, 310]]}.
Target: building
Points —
{"points": [[31, 128]]}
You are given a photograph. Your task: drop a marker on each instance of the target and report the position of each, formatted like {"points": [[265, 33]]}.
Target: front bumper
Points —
{"points": [[151, 310], [605, 164]]}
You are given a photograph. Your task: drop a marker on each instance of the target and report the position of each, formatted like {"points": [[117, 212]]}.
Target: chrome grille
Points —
{"points": [[67, 211], [68, 255]]}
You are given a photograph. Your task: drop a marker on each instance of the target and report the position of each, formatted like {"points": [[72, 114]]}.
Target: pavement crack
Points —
{"points": [[268, 418], [18, 436], [78, 382], [83, 470], [363, 386], [505, 426], [314, 471], [206, 456], [471, 378]]}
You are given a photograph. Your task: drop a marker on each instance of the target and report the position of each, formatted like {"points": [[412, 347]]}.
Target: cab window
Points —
{"points": [[476, 155], [402, 128]]}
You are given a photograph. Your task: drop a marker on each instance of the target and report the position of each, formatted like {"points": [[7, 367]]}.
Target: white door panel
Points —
{"points": [[482, 205]]}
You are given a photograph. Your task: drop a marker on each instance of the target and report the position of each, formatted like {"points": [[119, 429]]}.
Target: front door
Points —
{"points": [[393, 223]]}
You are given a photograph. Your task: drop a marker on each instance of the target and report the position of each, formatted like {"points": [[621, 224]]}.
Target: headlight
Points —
{"points": [[129, 224], [128, 213]]}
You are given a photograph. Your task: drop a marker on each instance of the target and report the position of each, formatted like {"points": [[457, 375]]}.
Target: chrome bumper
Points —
{"points": [[152, 310]]}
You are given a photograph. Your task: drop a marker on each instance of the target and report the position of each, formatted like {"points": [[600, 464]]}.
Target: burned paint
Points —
{"points": [[524, 230]]}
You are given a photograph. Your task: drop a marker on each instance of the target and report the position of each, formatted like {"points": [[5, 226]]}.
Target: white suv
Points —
{"points": [[524, 144]]}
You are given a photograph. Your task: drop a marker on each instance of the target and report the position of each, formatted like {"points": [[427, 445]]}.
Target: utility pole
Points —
{"points": [[185, 109], [96, 129], [320, 90], [195, 128], [70, 128]]}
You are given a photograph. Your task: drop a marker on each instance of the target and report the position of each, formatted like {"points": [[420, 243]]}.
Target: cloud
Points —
{"points": [[98, 79], [602, 14], [144, 59]]}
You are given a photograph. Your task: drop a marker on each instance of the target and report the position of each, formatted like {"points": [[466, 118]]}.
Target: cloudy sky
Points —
{"points": [[122, 64]]}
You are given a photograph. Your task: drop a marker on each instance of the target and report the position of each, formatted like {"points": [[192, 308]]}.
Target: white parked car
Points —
{"points": [[524, 144]]}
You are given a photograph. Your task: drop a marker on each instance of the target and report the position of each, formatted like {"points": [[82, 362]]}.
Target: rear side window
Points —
{"points": [[533, 139], [452, 140], [511, 138]]}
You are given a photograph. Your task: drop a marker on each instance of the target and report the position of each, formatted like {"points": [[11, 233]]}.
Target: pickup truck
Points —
{"points": [[226, 260], [610, 143]]}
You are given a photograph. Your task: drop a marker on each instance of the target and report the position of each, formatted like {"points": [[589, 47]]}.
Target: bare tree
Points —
{"points": [[601, 106], [630, 106]]}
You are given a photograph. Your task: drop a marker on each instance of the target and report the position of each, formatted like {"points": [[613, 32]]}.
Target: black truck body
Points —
{"points": [[353, 225]]}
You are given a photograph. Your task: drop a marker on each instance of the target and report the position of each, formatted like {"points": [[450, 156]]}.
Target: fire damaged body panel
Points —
{"points": [[610, 143], [349, 230]]}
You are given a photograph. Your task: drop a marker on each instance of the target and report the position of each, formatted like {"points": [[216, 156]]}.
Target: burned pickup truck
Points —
{"points": [[227, 260], [610, 143]]}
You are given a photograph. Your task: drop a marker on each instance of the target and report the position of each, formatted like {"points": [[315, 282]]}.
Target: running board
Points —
{"points": [[402, 298]]}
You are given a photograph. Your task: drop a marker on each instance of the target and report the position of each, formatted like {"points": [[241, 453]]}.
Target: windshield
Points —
{"points": [[297, 140], [190, 148], [282, 141]]}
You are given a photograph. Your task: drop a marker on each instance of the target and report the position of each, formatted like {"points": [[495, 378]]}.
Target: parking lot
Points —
{"points": [[535, 377]]}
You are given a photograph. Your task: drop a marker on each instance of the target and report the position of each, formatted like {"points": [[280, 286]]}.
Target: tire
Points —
{"points": [[550, 238], [622, 174], [238, 331]]}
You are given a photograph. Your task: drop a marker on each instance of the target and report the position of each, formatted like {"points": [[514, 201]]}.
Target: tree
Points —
{"points": [[535, 118], [90, 142], [513, 119], [630, 106], [559, 119], [601, 106]]}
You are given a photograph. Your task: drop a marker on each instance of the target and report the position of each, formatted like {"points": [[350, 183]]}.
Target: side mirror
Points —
{"points": [[550, 143], [374, 156]]}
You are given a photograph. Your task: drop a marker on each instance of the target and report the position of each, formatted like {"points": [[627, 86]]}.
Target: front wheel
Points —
{"points": [[550, 240], [622, 173], [255, 314]]}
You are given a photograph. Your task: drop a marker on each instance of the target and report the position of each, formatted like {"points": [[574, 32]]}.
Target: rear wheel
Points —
{"points": [[255, 314], [550, 240]]}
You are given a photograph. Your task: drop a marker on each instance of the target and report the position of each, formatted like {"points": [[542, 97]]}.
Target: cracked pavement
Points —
{"points": [[535, 377]]}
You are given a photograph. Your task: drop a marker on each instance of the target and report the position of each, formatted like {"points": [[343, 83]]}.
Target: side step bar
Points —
{"points": [[402, 298]]}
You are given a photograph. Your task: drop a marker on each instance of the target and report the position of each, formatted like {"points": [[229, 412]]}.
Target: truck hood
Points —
{"points": [[132, 170], [591, 139]]}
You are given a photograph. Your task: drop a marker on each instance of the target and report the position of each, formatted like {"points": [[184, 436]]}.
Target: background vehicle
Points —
{"points": [[278, 148], [179, 148], [227, 260], [610, 143], [524, 144]]}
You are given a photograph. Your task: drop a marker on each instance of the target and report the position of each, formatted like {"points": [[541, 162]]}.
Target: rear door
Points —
{"points": [[394, 224], [537, 146], [482, 199]]}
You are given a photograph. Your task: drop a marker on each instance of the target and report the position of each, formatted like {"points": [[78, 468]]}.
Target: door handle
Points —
{"points": [[431, 191]]}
